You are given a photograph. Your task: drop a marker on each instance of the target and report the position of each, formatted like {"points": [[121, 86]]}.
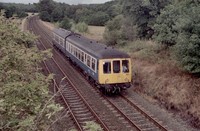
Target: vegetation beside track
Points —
{"points": [[25, 102]]}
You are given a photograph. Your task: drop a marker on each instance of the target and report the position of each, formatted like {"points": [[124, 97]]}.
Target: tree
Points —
{"points": [[65, 23], [165, 25], [143, 14], [187, 24], [44, 15], [25, 102], [112, 32], [10, 11], [98, 19], [1, 6], [57, 14], [46, 5]]}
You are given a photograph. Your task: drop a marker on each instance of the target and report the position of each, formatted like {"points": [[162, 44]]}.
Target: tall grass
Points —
{"points": [[146, 50]]}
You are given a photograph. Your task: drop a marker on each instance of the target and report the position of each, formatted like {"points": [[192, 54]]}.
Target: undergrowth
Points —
{"points": [[157, 75]]}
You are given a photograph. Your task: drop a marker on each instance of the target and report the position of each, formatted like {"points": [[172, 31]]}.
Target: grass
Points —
{"points": [[157, 75], [95, 32], [146, 50]]}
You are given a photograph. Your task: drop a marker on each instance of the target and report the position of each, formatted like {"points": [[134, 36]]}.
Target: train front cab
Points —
{"points": [[115, 73]]}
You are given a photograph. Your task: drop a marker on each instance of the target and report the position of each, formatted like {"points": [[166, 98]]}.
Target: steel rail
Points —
{"points": [[67, 77]]}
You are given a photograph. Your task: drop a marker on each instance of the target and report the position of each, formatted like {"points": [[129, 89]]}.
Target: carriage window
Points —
{"points": [[73, 50], [116, 66], [85, 58], [82, 56], [107, 67], [93, 64], [88, 60], [79, 54], [125, 66], [67, 45], [76, 51], [70, 48]]}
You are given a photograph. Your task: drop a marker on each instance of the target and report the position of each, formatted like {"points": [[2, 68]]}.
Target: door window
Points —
{"points": [[125, 66], [107, 67], [116, 66]]}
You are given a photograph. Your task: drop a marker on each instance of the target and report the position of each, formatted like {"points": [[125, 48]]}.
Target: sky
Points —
{"points": [[66, 1]]}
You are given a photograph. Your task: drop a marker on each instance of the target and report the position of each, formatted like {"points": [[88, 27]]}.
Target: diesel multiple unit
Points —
{"points": [[107, 68]]}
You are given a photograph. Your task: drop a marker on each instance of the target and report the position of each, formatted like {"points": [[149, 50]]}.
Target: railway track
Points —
{"points": [[80, 110], [125, 109]]}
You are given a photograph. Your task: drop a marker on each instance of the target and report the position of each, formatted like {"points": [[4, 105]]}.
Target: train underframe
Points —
{"points": [[114, 88]]}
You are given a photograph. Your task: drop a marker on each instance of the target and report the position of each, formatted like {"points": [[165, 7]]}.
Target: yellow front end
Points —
{"points": [[115, 71]]}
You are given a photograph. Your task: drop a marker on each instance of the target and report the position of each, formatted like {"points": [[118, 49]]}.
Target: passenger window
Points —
{"points": [[82, 56], [93, 64], [116, 66], [79, 54], [88, 60], [125, 66], [107, 67]]}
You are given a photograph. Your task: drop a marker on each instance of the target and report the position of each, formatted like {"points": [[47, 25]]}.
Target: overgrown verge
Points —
{"points": [[25, 103], [157, 75]]}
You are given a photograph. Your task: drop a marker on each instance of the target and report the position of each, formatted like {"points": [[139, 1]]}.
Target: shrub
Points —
{"points": [[164, 27], [45, 16], [178, 25], [187, 48], [112, 32], [25, 102], [65, 23], [81, 27], [98, 19]]}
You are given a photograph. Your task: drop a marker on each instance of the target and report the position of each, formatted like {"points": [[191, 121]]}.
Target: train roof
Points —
{"points": [[92, 47]]}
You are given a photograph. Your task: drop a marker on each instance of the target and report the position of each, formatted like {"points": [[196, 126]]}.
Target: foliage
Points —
{"points": [[44, 15], [165, 30], [98, 19], [143, 14], [10, 11], [146, 50], [95, 14], [187, 48], [112, 33], [24, 99], [46, 5], [81, 27], [24, 7], [57, 14], [65, 23], [178, 24], [13, 9], [92, 126]]}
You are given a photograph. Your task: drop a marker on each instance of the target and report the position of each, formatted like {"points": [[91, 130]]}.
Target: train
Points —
{"points": [[109, 69]]}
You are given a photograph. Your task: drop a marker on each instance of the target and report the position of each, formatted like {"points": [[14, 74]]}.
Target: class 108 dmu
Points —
{"points": [[109, 69]]}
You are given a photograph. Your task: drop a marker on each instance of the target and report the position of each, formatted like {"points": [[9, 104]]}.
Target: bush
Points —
{"points": [[178, 25], [25, 102], [164, 27], [65, 23], [187, 52], [45, 16], [112, 33], [98, 19], [81, 27], [147, 50]]}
